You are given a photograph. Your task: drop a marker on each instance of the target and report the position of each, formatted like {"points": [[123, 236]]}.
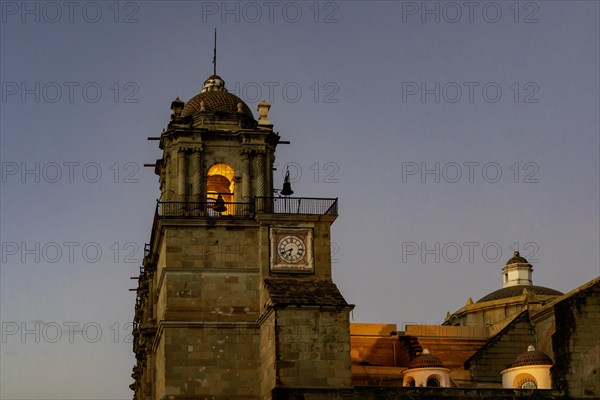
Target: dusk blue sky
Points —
{"points": [[452, 136]]}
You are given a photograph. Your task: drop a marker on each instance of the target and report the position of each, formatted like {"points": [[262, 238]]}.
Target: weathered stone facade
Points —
{"points": [[223, 311], [500, 351], [576, 343]]}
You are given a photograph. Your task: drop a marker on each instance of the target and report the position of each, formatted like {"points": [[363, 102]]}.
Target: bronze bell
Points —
{"points": [[287, 186], [220, 205]]}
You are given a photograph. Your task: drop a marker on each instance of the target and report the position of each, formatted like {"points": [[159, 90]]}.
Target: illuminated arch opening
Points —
{"points": [[220, 182], [410, 381]]}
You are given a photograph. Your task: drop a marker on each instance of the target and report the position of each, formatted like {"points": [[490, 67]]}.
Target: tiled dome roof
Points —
{"points": [[216, 99], [426, 360], [532, 357], [517, 290]]}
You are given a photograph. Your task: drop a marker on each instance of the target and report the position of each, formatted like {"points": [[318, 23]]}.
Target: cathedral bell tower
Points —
{"points": [[213, 146], [235, 297]]}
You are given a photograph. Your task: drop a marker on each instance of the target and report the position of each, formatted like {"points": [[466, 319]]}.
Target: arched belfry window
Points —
{"points": [[220, 182]]}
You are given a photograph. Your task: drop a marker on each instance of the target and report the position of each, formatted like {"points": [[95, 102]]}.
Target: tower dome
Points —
{"points": [[215, 98]]}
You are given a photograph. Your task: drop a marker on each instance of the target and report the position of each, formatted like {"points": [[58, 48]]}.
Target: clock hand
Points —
{"points": [[289, 251]]}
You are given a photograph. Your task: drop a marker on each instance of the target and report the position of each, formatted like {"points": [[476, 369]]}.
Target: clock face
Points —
{"points": [[291, 249]]}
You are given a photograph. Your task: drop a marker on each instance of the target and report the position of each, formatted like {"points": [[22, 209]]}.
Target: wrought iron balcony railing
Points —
{"points": [[296, 205], [273, 205], [180, 209]]}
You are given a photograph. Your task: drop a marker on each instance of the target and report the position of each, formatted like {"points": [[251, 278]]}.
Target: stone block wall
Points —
{"points": [[267, 373], [208, 274], [219, 360], [500, 352], [207, 289], [576, 343], [207, 245], [544, 330], [209, 296], [313, 347]]}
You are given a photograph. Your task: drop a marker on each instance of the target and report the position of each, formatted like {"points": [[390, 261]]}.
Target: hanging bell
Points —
{"points": [[287, 186], [220, 205], [287, 189]]}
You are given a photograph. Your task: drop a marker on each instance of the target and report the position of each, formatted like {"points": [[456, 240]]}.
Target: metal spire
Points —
{"points": [[215, 55]]}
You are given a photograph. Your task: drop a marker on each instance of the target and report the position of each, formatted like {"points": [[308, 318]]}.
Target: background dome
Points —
{"points": [[517, 290]]}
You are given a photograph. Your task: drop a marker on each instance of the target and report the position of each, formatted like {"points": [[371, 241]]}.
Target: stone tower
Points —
{"points": [[235, 297]]}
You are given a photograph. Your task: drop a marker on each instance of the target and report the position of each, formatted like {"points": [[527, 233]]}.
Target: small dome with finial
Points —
{"points": [[532, 357], [530, 370], [517, 259], [426, 370], [214, 83], [426, 360]]}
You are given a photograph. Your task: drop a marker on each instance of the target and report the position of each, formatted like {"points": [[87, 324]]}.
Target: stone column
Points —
{"points": [[169, 178], [269, 172], [260, 174], [246, 193], [197, 174], [181, 174]]}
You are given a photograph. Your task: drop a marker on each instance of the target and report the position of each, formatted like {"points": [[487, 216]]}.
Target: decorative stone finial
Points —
{"points": [[263, 113], [214, 83], [202, 106], [530, 348], [240, 108], [425, 351], [177, 107]]}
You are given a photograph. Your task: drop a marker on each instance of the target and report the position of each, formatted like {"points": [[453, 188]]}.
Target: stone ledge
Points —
{"points": [[377, 393]]}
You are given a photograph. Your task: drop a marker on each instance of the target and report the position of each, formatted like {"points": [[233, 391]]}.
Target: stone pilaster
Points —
{"points": [[259, 162], [269, 184], [246, 191], [167, 195], [181, 174], [197, 174]]}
